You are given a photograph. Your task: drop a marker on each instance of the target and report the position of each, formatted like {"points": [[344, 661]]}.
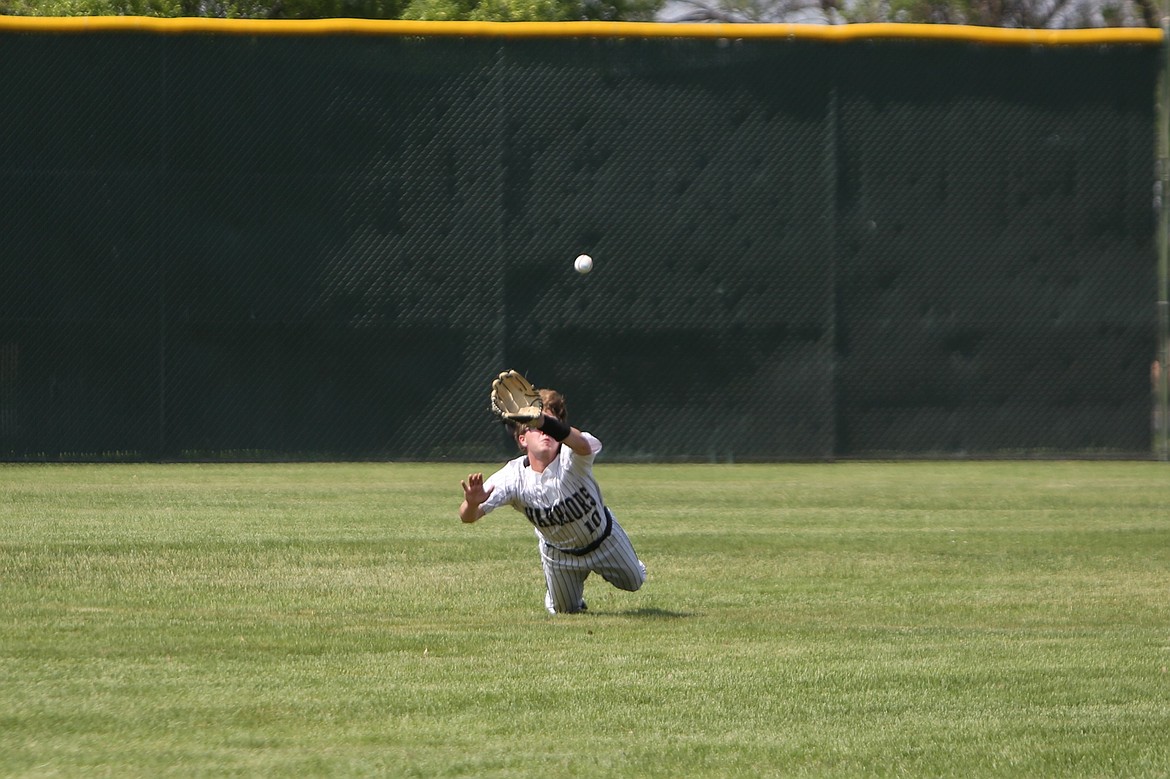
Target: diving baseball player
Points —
{"points": [[552, 485]]}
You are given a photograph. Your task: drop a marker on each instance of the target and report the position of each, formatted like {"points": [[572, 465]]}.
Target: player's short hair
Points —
{"points": [[554, 406]]}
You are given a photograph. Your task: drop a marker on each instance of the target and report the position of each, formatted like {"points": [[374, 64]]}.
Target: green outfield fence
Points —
{"points": [[254, 239]]}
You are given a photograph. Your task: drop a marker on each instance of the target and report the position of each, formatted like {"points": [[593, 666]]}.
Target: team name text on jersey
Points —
{"points": [[569, 510]]}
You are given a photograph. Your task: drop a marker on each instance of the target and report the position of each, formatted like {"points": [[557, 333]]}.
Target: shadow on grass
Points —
{"points": [[655, 613]]}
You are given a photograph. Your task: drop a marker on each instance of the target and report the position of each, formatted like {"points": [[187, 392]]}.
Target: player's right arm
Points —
{"points": [[474, 494]]}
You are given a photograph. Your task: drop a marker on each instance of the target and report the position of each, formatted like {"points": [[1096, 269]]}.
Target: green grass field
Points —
{"points": [[852, 619]]}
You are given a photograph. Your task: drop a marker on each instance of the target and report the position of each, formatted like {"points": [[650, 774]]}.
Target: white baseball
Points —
{"points": [[583, 263]]}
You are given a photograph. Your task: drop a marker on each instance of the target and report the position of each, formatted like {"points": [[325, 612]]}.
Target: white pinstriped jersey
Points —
{"points": [[563, 503]]}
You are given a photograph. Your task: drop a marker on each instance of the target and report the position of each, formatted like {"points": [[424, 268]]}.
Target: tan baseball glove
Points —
{"points": [[514, 399]]}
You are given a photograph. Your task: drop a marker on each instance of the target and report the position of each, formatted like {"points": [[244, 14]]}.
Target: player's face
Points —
{"points": [[538, 443]]}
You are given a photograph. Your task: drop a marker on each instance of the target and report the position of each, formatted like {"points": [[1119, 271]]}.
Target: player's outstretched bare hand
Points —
{"points": [[473, 489]]}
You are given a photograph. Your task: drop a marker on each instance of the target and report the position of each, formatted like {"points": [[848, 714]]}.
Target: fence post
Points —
{"points": [[1162, 206]]}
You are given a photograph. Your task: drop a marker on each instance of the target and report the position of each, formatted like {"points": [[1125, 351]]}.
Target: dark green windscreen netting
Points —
{"points": [[228, 246]]}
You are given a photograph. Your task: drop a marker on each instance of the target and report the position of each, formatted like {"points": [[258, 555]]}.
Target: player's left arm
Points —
{"points": [[566, 434], [578, 443]]}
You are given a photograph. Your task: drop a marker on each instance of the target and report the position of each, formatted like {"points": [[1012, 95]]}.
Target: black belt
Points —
{"points": [[584, 550]]}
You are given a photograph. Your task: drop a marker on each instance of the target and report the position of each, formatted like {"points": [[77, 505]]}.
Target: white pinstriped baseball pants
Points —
{"points": [[565, 574]]}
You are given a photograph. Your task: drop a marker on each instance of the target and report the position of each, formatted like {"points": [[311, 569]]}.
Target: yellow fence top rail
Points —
{"points": [[1147, 36]]}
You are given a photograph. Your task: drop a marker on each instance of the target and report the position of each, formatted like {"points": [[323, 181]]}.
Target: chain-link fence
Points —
{"points": [[326, 246]]}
